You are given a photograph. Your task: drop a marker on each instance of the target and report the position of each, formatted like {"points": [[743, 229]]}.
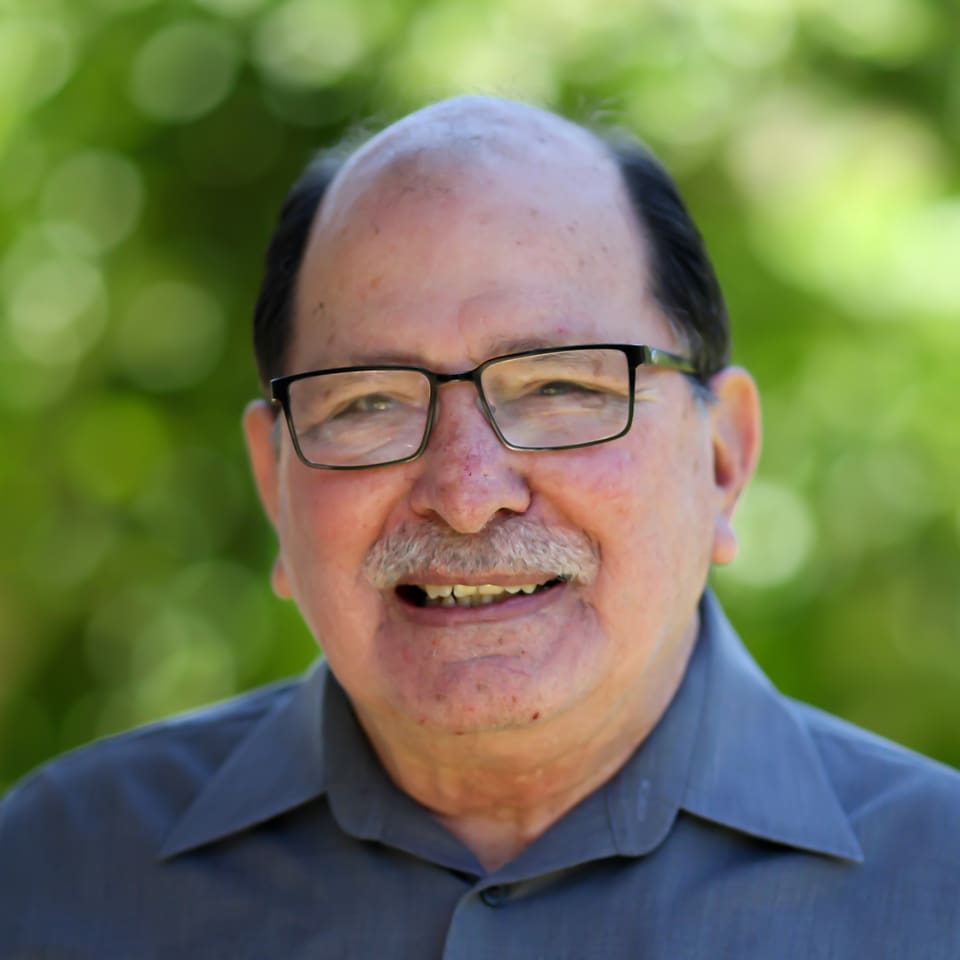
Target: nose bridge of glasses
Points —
{"points": [[468, 376]]}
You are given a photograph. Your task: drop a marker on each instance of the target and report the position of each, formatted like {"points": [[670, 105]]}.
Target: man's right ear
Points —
{"points": [[259, 429], [259, 421]]}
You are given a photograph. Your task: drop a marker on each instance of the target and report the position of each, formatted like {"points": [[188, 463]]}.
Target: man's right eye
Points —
{"points": [[365, 405]]}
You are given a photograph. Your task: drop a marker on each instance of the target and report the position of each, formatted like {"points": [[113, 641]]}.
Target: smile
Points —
{"points": [[469, 595]]}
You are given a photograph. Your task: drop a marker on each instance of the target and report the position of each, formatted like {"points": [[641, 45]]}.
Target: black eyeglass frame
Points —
{"points": [[637, 354]]}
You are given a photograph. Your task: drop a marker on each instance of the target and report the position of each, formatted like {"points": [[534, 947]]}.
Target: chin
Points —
{"points": [[482, 697], [476, 719]]}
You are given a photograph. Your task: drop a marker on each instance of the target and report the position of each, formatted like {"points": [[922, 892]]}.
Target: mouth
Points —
{"points": [[453, 595]]}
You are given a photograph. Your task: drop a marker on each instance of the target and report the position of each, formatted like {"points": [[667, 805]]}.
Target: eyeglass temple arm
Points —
{"points": [[660, 358]]}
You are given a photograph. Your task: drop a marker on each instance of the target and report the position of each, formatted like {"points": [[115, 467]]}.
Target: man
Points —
{"points": [[503, 450]]}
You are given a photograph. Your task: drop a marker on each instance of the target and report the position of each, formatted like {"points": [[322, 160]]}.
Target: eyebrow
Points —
{"points": [[499, 348], [570, 358]]}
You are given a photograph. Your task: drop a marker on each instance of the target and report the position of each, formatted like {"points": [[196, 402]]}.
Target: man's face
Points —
{"points": [[431, 265]]}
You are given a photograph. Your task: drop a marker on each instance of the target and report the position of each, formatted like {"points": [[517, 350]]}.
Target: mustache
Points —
{"points": [[510, 548]]}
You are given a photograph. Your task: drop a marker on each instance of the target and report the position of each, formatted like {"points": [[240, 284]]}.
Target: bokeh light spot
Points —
{"points": [[829, 186], [57, 310], [180, 659], [776, 532], [171, 337], [683, 106], [874, 499], [925, 260], [36, 59], [303, 43], [887, 31], [183, 71], [747, 34], [443, 55], [96, 191], [231, 596]]}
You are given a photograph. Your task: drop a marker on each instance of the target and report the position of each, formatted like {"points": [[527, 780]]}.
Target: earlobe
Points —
{"points": [[278, 578], [725, 543], [735, 422]]}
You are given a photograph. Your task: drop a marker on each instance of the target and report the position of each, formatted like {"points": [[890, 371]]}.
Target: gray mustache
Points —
{"points": [[510, 548]]}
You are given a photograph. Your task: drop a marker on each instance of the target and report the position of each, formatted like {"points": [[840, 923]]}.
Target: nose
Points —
{"points": [[466, 476]]}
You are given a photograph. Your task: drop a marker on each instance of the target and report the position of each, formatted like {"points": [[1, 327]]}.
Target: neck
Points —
{"points": [[498, 791]]}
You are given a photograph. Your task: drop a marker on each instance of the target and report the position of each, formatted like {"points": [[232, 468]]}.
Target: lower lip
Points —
{"points": [[519, 605]]}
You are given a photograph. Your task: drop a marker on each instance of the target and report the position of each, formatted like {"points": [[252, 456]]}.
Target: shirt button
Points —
{"points": [[494, 896]]}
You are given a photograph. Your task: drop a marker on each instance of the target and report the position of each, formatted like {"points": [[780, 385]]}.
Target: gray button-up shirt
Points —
{"points": [[745, 826]]}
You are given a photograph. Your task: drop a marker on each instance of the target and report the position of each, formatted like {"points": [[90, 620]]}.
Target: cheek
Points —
{"points": [[645, 502], [614, 488], [330, 520]]}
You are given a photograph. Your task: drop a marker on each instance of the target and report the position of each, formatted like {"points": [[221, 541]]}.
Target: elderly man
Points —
{"points": [[503, 449]]}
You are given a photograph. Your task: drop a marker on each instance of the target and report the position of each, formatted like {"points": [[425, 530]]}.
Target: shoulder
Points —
{"points": [[902, 806], [135, 784]]}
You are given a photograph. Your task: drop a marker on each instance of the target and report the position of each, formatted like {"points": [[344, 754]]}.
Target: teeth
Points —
{"points": [[471, 595], [434, 592]]}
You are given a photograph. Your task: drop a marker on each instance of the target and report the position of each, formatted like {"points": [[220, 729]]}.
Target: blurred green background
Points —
{"points": [[144, 149]]}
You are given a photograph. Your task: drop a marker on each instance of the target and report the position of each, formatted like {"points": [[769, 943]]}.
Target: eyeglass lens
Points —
{"points": [[559, 399]]}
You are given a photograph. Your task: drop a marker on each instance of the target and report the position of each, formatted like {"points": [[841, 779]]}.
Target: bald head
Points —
{"points": [[471, 144], [476, 133], [504, 153]]}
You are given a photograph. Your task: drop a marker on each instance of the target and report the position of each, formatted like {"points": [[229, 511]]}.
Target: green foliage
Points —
{"points": [[144, 149]]}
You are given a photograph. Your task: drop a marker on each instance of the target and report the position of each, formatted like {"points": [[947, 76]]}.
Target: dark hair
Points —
{"points": [[684, 283], [273, 313]]}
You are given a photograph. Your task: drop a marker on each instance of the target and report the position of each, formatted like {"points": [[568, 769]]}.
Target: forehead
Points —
{"points": [[499, 227]]}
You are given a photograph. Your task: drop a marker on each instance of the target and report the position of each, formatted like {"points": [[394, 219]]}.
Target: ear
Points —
{"points": [[735, 424], [259, 423]]}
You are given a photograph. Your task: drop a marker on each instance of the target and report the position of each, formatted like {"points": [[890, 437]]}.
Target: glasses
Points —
{"points": [[350, 418]]}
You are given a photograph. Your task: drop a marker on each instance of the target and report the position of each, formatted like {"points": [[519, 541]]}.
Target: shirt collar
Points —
{"points": [[754, 765], [277, 767], [729, 749]]}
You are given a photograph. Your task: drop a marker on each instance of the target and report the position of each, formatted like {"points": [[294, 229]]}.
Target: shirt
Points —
{"points": [[745, 826]]}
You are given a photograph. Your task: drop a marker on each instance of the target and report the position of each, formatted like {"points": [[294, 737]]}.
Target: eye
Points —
{"points": [[561, 388], [367, 404]]}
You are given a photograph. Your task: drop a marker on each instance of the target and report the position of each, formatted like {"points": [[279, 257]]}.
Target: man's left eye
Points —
{"points": [[375, 403]]}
